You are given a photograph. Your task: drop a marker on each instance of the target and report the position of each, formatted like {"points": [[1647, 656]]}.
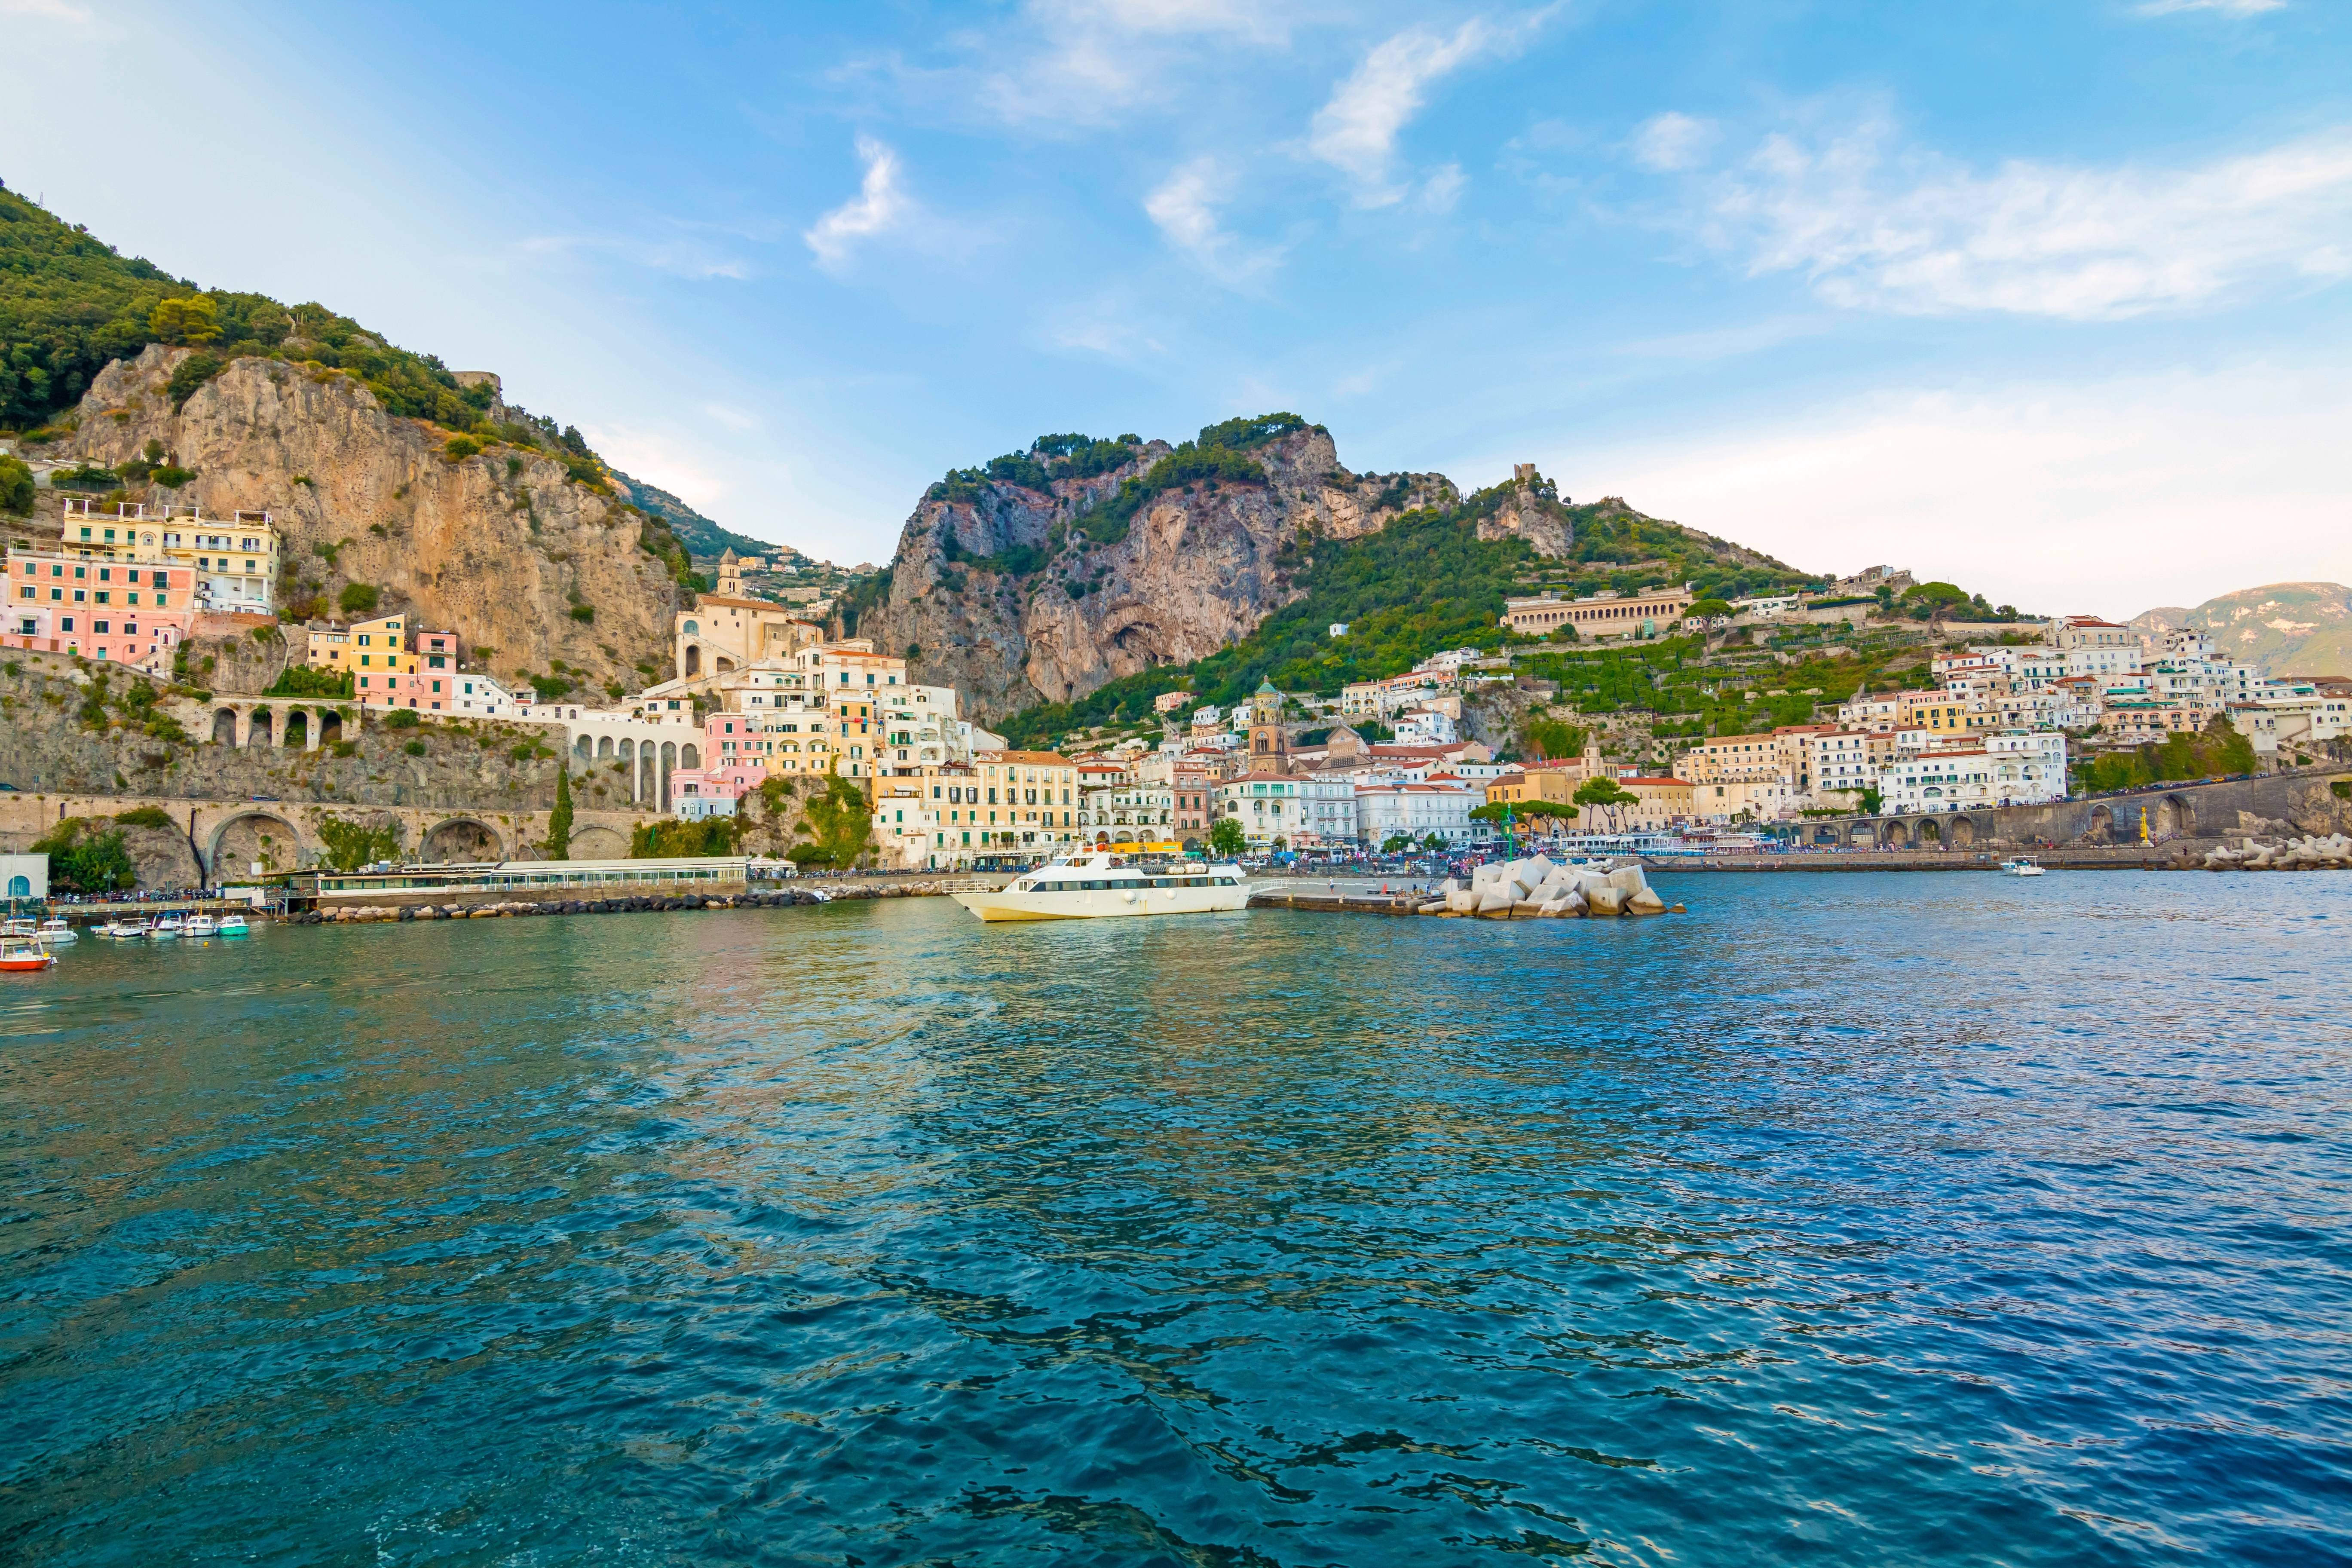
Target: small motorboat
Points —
{"points": [[201, 925], [233, 925], [125, 930], [24, 955], [169, 926], [55, 932], [18, 925], [2023, 866]]}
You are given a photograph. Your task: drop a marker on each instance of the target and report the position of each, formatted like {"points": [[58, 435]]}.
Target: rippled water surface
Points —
{"points": [[1866, 1218]]}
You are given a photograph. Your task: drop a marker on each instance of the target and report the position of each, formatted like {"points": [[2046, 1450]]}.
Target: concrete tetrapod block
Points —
{"points": [[1461, 902], [1645, 902], [1494, 905], [1602, 899]]}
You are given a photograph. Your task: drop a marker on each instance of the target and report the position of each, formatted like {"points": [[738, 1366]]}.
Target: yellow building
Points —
{"points": [[1658, 804], [1553, 784], [1025, 801]]}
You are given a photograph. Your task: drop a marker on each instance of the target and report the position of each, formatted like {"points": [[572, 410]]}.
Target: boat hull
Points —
{"points": [[1104, 903]]}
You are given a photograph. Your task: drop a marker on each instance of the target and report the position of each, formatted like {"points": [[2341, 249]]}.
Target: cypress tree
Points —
{"points": [[559, 821]]}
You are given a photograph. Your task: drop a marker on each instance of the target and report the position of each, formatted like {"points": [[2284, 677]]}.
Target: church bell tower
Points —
{"points": [[1269, 737]]}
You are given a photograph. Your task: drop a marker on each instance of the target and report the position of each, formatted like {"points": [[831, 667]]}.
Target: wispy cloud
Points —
{"points": [[735, 419], [881, 202], [1095, 62], [1874, 225], [1670, 141], [1185, 207], [1356, 132], [2220, 7]]}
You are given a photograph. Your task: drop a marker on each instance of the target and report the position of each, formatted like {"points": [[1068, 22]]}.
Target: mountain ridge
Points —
{"points": [[2282, 629]]}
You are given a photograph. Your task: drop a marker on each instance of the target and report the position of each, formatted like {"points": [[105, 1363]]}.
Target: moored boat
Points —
{"points": [[55, 932], [233, 924], [169, 926], [201, 925], [2021, 866], [18, 925], [23, 954], [125, 930], [1098, 886]]}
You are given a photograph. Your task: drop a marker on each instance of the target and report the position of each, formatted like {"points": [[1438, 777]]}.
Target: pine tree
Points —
{"points": [[559, 821]]}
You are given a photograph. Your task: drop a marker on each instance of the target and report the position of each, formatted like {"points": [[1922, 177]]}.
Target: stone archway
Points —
{"points": [[603, 748], [693, 660], [263, 723], [669, 763], [584, 748], [330, 726], [1962, 834], [463, 839], [224, 726], [2101, 828], [297, 728], [2175, 814], [689, 755], [1861, 833], [243, 838], [1931, 831], [600, 843]]}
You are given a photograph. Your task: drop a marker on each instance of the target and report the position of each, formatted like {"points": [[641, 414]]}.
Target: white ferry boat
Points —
{"points": [[1097, 886]]}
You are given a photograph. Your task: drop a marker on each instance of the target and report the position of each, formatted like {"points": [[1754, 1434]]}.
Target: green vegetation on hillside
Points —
{"points": [[1616, 547], [2219, 751], [85, 858], [70, 303]]}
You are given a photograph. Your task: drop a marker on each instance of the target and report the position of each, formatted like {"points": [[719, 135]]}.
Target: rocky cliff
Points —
{"points": [[1035, 581], [2283, 628], [504, 546]]}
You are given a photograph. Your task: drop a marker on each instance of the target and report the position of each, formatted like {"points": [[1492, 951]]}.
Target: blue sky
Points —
{"points": [[2050, 300]]}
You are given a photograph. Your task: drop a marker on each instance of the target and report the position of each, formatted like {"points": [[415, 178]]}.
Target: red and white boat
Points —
{"points": [[22, 954]]}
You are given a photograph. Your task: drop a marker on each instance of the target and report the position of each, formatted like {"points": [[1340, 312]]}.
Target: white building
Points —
{"points": [[1425, 727], [1327, 812], [1385, 811], [2026, 769]]}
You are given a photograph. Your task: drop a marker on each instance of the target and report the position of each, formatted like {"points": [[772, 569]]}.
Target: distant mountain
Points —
{"points": [[699, 535], [2284, 628]]}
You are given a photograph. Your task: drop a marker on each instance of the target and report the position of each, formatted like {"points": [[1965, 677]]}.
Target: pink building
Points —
{"points": [[120, 613]]}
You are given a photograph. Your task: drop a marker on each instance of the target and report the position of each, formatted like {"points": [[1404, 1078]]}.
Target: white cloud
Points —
{"points": [[735, 419], [2224, 8], [1671, 142], [879, 203], [2105, 497], [1876, 226], [1185, 207], [1356, 132]]}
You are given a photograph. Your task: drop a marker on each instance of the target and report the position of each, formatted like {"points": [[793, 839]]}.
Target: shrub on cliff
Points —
{"points": [[668, 840], [301, 680], [191, 374], [401, 719], [16, 486], [83, 859], [353, 843], [359, 598], [457, 448]]}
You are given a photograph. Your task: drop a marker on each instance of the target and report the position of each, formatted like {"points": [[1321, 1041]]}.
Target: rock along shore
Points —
{"points": [[362, 914]]}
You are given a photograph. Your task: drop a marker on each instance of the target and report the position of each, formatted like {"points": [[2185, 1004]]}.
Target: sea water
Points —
{"points": [[1866, 1218]]}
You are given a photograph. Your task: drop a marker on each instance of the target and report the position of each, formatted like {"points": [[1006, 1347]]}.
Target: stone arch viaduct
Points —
{"points": [[227, 837]]}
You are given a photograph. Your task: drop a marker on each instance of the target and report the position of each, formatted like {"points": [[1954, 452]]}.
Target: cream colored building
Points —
{"points": [[235, 557], [724, 633], [1652, 612]]}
